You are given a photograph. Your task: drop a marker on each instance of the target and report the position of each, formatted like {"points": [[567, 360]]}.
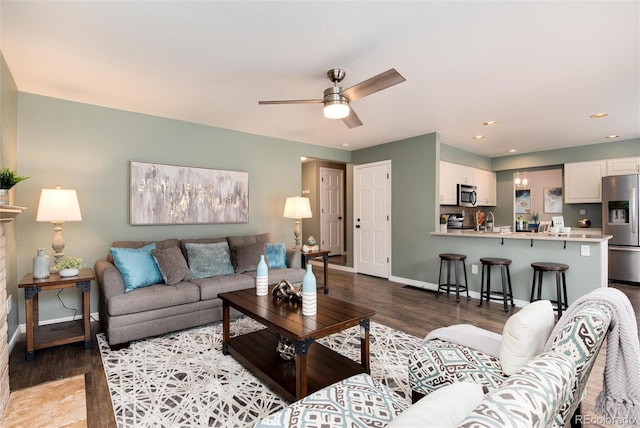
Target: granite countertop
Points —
{"points": [[575, 235]]}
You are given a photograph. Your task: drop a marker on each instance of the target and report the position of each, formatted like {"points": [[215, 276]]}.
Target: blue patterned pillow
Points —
{"points": [[206, 260], [277, 256], [137, 266]]}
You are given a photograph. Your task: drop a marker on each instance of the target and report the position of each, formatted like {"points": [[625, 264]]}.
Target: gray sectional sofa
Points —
{"points": [[135, 303]]}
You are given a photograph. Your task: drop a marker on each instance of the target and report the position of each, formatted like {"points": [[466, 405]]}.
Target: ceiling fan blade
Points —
{"points": [[376, 83], [291, 102], [352, 120]]}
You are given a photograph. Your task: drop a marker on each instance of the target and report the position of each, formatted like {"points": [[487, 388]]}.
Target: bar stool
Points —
{"points": [[485, 292], [559, 269], [456, 260]]}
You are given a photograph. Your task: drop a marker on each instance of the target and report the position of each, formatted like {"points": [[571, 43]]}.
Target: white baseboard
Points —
{"points": [[95, 316], [434, 287]]}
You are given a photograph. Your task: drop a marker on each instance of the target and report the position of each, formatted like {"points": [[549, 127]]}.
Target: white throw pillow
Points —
{"points": [[525, 334], [445, 407]]}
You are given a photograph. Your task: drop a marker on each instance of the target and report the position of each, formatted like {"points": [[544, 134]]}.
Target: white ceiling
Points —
{"points": [[538, 68]]}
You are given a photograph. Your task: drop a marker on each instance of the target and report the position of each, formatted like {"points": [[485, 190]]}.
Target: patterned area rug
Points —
{"points": [[183, 379]]}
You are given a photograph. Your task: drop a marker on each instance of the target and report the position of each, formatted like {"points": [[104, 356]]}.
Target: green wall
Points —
{"points": [[414, 208], [8, 159], [88, 148]]}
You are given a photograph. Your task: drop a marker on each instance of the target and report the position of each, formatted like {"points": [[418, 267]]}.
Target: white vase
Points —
{"points": [[69, 272], [4, 197], [309, 293], [443, 228]]}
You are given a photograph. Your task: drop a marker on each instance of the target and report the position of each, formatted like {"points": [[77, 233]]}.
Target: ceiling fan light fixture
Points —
{"points": [[336, 109]]}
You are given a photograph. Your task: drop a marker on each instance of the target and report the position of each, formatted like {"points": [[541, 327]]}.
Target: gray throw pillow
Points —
{"points": [[172, 265], [248, 256], [207, 260]]}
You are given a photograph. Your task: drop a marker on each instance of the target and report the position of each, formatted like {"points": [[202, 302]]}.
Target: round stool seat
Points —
{"points": [[506, 295], [550, 267], [452, 256], [453, 262], [495, 261], [558, 270]]}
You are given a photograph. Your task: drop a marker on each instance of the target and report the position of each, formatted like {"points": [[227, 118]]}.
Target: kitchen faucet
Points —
{"points": [[490, 220]]}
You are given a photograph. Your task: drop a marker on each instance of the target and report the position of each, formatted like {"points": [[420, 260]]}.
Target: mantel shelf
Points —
{"points": [[9, 212]]}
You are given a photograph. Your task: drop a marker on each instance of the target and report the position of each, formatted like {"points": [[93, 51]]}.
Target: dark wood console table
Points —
{"points": [[312, 255], [39, 337]]}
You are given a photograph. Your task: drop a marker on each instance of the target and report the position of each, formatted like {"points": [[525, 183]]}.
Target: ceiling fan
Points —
{"points": [[336, 100]]}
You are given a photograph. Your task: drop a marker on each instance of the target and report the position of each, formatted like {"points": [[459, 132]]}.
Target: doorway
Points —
{"points": [[372, 218], [332, 210]]}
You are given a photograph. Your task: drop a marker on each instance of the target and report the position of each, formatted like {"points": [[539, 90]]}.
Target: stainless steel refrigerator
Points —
{"points": [[620, 219]]}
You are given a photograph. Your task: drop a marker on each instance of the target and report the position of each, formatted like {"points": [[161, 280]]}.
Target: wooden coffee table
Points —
{"points": [[314, 365]]}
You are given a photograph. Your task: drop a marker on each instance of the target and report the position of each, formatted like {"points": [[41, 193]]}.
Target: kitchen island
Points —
{"points": [[586, 253]]}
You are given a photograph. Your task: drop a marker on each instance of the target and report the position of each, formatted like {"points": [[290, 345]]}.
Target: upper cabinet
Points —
{"points": [[452, 174], [583, 181], [623, 166], [486, 183]]}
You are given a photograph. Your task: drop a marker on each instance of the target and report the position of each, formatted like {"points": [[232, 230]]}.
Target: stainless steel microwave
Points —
{"points": [[467, 195]]}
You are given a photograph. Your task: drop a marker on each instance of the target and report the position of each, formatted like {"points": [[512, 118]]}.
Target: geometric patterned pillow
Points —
{"points": [[358, 401], [529, 398], [439, 363]]}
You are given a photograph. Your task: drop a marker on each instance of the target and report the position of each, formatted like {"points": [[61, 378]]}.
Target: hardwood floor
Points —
{"points": [[409, 309]]}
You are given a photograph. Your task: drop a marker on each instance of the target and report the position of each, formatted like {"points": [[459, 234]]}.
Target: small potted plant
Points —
{"points": [[443, 222], [8, 179], [69, 266]]}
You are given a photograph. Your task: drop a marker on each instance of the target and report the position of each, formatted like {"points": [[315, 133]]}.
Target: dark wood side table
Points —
{"points": [[312, 255], [39, 337]]}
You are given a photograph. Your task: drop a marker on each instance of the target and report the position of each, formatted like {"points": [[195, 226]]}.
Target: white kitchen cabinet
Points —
{"points": [[583, 182], [449, 179], [485, 181], [452, 174], [623, 166]]}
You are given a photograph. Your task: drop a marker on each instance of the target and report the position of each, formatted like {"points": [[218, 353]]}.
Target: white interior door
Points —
{"points": [[372, 218], [331, 210]]}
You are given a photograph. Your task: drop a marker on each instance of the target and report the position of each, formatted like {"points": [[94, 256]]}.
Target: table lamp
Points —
{"points": [[57, 206], [297, 207]]}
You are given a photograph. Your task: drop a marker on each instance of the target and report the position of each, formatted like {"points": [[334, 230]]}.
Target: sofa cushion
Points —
{"points": [[525, 334], [156, 296], [236, 242], [248, 256], [184, 242], [137, 266], [172, 265], [445, 407], [206, 260], [293, 275], [160, 245], [212, 286], [276, 255]]}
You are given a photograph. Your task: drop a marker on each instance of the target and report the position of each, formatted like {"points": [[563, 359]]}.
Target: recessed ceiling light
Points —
{"points": [[478, 137], [512, 150], [599, 115], [610, 137], [344, 144], [303, 158], [491, 122]]}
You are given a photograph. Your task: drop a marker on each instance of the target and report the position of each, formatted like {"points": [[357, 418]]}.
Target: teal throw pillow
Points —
{"points": [[206, 260], [137, 266], [277, 256]]}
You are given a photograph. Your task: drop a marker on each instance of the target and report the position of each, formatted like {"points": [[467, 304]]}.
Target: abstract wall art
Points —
{"points": [[169, 194]]}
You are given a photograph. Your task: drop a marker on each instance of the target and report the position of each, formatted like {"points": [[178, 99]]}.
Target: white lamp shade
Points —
{"points": [[57, 205], [297, 207]]}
